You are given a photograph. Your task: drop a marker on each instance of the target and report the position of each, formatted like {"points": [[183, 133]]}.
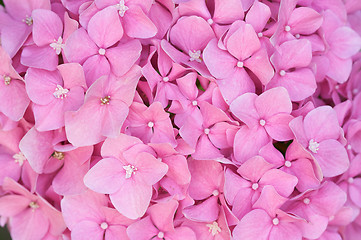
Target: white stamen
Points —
{"points": [[60, 92], [129, 170], [349, 147], [260, 35], [288, 164], [195, 56], [355, 91], [58, 155], [206, 131], [28, 20], [19, 158], [166, 79], [33, 206], [306, 201], [262, 122], [255, 186], [210, 21], [104, 225], [7, 80], [239, 64], [297, 36], [215, 193], [214, 228], [121, 8], [337, 87], [101, 51], [194, 103], [57, 45], [275, 221], [313, 146], [160, 235], [282, 73], [287, 28], [151, 124], [350, 180], [331, 218]]}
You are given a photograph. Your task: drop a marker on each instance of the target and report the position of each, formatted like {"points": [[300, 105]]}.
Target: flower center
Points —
{"points": [[215, 193], [165, 79], [194, 103], [160, 235], [349, 147], [195, 56], [206, 131], [151, 124], [260, 35], [28, 20], [33, 205], [214, 228], [239, 64], [306, 201], [60, 92], [287, 28], [7, 80], [255, 186], [101, 51], [297, 36], [57, 45], [288, 164], [282, 73], [104, 225], [121, 7], [350, 180], [313, 146], [210, 21], [58, 155], [262, 122], [19, 158], [275, 221], [129, 170], [105, 100]]}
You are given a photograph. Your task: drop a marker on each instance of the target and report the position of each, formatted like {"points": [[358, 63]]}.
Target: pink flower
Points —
{"points": [[107, 101], [318, 132], [127, 175]]}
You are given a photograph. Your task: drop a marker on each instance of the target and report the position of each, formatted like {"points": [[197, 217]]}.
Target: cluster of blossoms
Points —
{"points": [[188, 119]]}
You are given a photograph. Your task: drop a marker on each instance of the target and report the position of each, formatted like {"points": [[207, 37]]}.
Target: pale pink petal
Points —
{"points": [[95, 67], [260, 65], [11, 205], [137, 24], [79, 46], [39, 57], [162, 214], [304, 20], [116, 231], [227, 12], [26, 225], [345, 42], [254, 168], [277, 127], [87, 230], [244, 109], [272, 102], [284, 183], [143, 229], [258, 15], [47, 27], [206, 211]]}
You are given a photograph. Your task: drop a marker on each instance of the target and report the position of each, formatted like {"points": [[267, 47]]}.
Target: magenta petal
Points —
{"points": [[132, 199], [104, 28], [87, 230], [123, 56], [248, 229], [106, 176], [47, 27], [137, 24]]}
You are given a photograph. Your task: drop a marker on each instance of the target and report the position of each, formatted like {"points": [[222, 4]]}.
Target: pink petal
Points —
{"points": [[47, 27], [254, 168], [219, 62], [106, 176], [260, 65], [345, 42], [280, 99], [247, 229], [227, 12], [285, 231], [11, 205], [191, 34], [116, 231], [132, 199], [243, 42], [73, 75], [142, 229], [95, 67], [244, 109], [277, 127], [87, 230], [162, 215], [181, 233], [79, 46], [355, 191], [304, 20], [137, 24], [206, 211], [102, 24], [151, 169], [123, 56], [26, 225], [258, 15], [39, 57], [284, 183]]}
